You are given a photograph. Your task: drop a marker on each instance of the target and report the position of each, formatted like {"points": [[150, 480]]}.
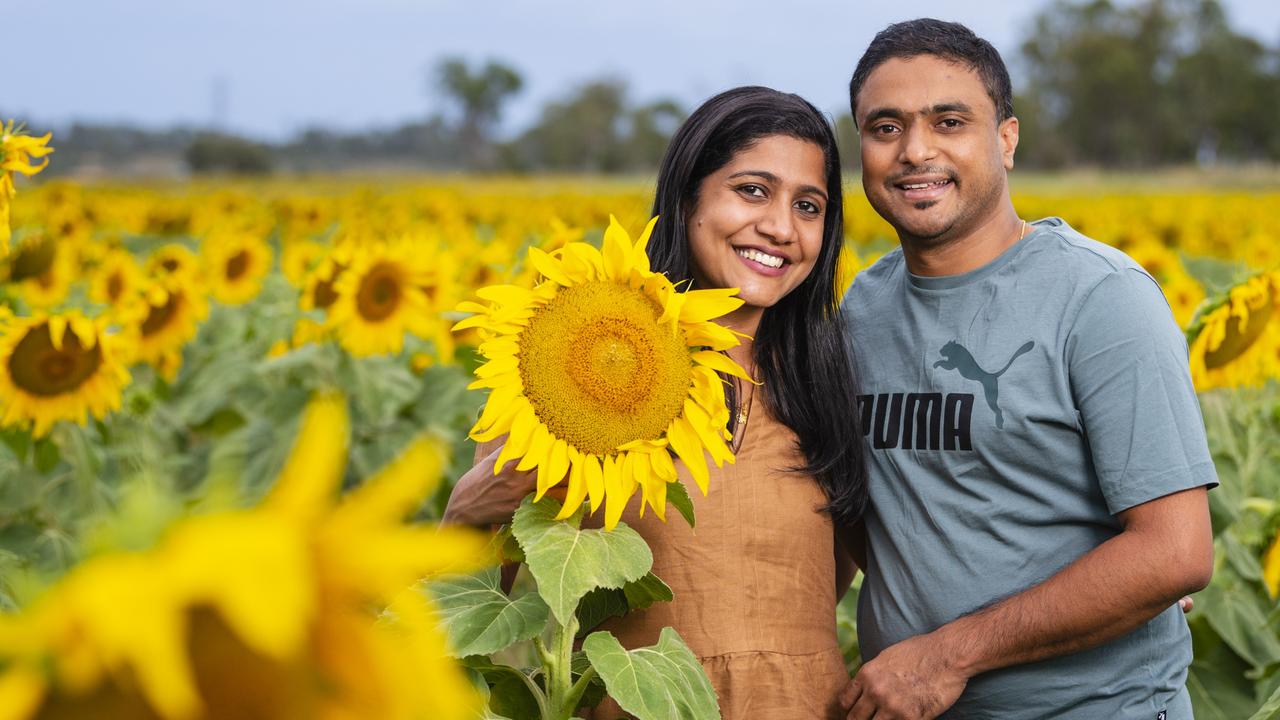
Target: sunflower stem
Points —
{"points": [[558, 661]]}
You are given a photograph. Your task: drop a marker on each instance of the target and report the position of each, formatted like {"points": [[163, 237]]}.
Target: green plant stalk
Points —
{"points": [[562, 693]]}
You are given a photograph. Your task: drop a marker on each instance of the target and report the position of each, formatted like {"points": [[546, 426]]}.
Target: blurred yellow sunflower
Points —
{"points": [[318, 290], [380, 297], [174, 311], [1184, 294], [1271, 567], [298, 258], [235, 265], [172, 259], [58, 367], [601, 371], [42, 270], [17, 148], [117, 282], [1236, 341], [271, 612]]}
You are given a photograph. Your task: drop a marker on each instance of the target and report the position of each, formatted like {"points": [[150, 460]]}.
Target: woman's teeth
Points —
{"points": [[763, 258]]}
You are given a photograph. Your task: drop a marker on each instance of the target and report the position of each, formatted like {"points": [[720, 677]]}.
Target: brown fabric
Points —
{"points": [[754, 583]]}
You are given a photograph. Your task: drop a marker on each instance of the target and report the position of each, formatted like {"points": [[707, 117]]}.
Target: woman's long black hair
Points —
{"points": [[801, 351]]}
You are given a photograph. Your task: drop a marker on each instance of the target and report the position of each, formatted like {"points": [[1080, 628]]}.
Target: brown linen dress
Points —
{"points": [[754, 583]]}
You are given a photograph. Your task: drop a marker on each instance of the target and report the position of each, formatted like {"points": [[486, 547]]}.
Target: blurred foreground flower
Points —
{"points": [[16, 150], [271, 612], [601, 371]]}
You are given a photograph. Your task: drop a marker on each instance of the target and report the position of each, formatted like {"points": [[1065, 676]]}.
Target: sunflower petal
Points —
{"points": [[594, 477], [577, 491], [554, 469], [549, 267], [616, 249], [721, 363], [704, 305], [539, 444], [684, 439]]}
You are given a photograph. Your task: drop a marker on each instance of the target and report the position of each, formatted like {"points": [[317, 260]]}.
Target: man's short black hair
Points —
{"points": [[947, 40]]}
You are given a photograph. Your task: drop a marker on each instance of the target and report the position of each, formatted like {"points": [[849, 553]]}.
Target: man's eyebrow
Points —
{"points": [[893, 113], [765, 174]]}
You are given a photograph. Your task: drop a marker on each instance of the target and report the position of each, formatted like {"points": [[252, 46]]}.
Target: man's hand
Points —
{"points": [[908, 681]]}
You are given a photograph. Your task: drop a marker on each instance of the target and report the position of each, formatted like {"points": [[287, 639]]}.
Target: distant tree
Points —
{"points": [[480, 95], [1152, 82], [217, 153], [595, 129]]}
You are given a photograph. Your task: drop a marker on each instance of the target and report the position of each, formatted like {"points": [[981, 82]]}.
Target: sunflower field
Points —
{"points": [[191, 374]]}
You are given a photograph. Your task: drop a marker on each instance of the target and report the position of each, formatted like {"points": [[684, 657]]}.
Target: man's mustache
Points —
{"points": [[935, 170]]}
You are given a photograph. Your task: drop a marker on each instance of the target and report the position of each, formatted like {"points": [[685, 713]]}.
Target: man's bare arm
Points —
{"points": [[1164, 552]]}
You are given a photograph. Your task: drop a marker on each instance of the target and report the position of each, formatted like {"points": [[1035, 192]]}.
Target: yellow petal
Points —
{"points": [[684, 440], [539, 444], [548, 266], [614, 501], [317, 462], [506, 294], [21, 691], [520, 437], [722, 363], [400, 487], [551, 472], [616, 249], [57, 329], [594, 476], [577, 491], [703, 305], [1271, 568]]}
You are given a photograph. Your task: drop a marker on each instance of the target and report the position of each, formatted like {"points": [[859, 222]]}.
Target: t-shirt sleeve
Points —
{"points": [[1129, 375]]}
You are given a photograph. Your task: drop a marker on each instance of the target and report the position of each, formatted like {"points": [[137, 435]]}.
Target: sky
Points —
{"points": [[269, 68]]}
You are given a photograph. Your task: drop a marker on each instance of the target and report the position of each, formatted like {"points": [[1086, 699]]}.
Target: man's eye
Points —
{"points": [[952, 123], [884, 129]]}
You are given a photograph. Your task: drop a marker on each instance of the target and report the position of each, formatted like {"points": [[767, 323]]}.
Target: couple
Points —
{"points": [[1018, 466]]}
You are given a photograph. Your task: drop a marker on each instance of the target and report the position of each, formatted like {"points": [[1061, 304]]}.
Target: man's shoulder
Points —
{"points": [[1072, 251], [873, 279]]}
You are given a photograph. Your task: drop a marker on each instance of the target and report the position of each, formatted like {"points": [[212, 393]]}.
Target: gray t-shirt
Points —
{"points": [[1009, 413]]}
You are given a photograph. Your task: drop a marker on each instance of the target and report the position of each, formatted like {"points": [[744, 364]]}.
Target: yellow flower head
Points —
{"points": [[1237, 342], [601, 371], [17, 148], [380, 296], [58, 367], [235, 263], [270, 612], [175, 308]]}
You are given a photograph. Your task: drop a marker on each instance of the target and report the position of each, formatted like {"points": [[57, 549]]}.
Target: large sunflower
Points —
{"points": [[16, 150], [58, 367], [235, 264], [1236, 341], [601, 371], [174, 312], [380, 296]]}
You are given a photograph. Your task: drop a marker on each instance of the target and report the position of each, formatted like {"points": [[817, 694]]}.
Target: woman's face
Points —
{"points": [[758, 221]]}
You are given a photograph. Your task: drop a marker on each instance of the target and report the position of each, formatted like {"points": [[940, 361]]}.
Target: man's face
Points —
{"points": [[934, 156]]}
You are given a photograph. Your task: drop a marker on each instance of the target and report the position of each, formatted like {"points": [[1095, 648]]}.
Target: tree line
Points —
{"points": [[1099, 83]]}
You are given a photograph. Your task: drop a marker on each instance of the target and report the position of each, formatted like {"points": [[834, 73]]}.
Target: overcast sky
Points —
{"points": [[286, 64]]}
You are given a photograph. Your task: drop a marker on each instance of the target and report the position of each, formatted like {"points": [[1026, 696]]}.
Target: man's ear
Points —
{"points": [[1008, 131]]}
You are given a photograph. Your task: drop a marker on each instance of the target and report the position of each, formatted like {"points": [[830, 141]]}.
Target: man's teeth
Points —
{"points": [[921, 186], [762, 258]]}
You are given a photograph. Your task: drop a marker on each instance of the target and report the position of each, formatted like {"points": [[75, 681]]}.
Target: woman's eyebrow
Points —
{"points": [[770, 177]]}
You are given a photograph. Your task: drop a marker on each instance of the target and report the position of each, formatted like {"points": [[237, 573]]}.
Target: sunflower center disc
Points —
{"points": [[237, 265], [599, 370], [379, 293], [115, 286], [41, 369], [158, 317], [1236, 343]]}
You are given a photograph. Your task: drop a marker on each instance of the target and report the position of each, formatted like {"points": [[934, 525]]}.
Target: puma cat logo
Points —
{"points": [[956, 357]]}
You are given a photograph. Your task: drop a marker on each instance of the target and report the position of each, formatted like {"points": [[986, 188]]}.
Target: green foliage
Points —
{"points": [[663, 682], [478, 616], [587, 576], [568, 561], [226, 154]]}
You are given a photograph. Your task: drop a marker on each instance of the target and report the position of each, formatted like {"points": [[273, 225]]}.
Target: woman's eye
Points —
{"points": [[752, 190], [809, 208]]}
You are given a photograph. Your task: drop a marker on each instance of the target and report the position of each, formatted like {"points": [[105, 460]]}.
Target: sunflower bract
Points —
{"points": [[602, 371]]}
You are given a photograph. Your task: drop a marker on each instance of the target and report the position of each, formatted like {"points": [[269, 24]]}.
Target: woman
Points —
{"points": [[749, 196]]}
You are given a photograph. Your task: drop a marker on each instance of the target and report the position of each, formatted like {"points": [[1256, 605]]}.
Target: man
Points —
{"points": [[1038, 460]]}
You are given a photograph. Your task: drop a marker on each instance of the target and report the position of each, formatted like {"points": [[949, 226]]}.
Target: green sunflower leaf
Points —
{"points": [[479, 618], [662, 682], [568, 562]]}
